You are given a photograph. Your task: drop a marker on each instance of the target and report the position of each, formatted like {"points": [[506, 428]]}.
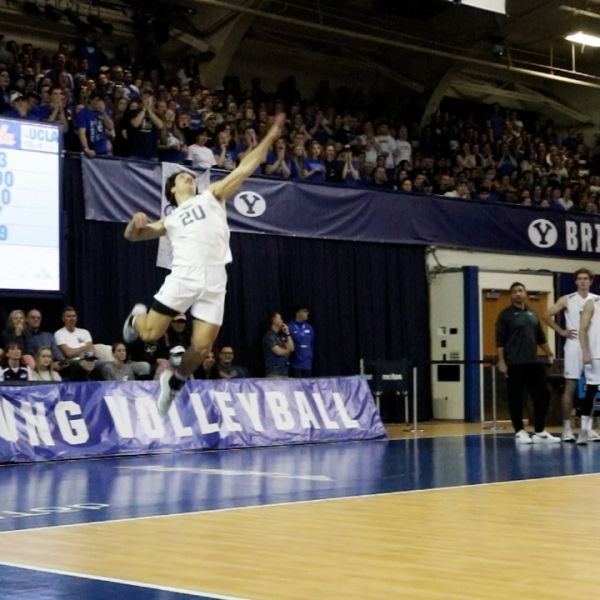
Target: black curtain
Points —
{"points": [[366, 299]]}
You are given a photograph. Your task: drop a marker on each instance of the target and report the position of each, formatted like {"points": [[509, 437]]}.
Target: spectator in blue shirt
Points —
{"points": [[314, 167], [277, 163], [94, 127], [224, 154], [303, 335], [35, 338]]}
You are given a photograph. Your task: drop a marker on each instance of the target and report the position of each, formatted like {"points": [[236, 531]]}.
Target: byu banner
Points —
{"points": [[75, 420], [332, 212]]}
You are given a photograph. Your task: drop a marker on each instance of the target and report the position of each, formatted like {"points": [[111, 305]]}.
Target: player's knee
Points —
{"points": [[150, 333]]}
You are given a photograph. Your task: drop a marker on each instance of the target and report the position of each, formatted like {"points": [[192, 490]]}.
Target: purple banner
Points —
{"points": [[114, 190], [76, 420]]}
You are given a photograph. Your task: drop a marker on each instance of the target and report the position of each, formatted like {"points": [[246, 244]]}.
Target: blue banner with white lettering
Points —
{"points": [[114, 190], [76, 420]]}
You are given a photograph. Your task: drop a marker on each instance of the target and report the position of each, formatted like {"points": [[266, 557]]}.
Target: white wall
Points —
{"points": [[452, 259], [446, 312]]}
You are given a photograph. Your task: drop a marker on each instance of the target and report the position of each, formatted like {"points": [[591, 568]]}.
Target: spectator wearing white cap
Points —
{"points": [[21, 108], [175, 357]]}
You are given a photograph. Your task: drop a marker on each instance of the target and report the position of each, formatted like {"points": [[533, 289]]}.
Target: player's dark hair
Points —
{"points": [[586, 271], [517, 284], [169, 185]]}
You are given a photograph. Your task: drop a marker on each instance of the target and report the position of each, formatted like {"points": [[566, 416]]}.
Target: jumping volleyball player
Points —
{"points": [[199, 234]]}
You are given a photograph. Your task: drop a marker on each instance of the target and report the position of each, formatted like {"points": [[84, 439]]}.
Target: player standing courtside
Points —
{"points": [[199, 234], [572, 306], [589, 337]]}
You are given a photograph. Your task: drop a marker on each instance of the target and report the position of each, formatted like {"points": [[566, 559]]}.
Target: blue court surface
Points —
{"points": [[66, 493]]}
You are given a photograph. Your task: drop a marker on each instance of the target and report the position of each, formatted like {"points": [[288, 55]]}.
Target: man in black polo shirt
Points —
{"points": [[518, 334]]}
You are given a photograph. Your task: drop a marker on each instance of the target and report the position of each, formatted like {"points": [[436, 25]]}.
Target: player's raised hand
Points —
{"points": [[277, 127], [139, 221]]}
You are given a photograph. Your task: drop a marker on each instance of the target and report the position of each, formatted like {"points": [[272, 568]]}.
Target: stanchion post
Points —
{"points": [[494, 414], [415, 428], [494, 426]]}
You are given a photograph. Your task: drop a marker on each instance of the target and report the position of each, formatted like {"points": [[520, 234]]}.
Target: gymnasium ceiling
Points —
{"points": [[416, 42]]}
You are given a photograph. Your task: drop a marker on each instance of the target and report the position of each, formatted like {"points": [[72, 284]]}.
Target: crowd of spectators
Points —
{"points": [[29, 353], [130, 108]]}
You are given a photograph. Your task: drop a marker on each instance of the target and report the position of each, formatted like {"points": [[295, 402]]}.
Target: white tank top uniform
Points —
{"points": [[199, 232], [199, 235], [573, 361], [592, 372]]}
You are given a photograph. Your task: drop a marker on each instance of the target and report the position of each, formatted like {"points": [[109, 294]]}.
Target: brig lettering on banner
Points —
{"points": [[75, 420], [582, 236]]}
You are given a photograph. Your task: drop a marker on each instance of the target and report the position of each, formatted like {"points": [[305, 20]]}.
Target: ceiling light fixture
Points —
{"points": [[585, 39]]}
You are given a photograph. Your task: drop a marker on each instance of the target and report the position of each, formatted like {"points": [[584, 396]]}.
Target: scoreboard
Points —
{"points": [[29, 206]]}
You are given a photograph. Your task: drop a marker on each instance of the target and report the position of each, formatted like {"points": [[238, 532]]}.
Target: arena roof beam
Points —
{"points": [[387, 72], [522, 94], [570, 77]]}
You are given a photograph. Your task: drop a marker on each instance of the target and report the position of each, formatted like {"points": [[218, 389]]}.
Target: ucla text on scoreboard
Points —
{"points": [[27, 135]]}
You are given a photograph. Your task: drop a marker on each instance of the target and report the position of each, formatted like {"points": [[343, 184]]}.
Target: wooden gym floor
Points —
{"points": [[454, 512]]}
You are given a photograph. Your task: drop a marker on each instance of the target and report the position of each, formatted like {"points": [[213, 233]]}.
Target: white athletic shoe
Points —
{"points": [[129, 332], [166, 395], [522, 437], [583, 437], [568, 437], [593, 436], [543, 437]]}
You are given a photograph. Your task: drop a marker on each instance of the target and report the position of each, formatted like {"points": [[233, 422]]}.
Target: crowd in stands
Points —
{"points": [[127, 107], [28, 353]]}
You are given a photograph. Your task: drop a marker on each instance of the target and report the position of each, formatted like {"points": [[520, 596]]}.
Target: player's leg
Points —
{"points": [[567, 408], [537, 386], [515, 387], [149, 326], [207, 312], [175, 296], [204, 335], [592, 380], [573, 368], [153, 325]]}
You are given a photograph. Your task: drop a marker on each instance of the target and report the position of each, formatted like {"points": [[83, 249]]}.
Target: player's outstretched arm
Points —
{"points": [[231, 184], [549, 317], [139, 229]]}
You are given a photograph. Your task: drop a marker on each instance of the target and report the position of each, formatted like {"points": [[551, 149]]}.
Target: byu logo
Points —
{"points": [[542, 233], [250, 204]]}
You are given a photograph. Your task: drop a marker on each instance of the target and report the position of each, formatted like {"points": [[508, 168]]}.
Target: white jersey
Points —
{"points": [[594, 330], [575, 304], [198, 232]]}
